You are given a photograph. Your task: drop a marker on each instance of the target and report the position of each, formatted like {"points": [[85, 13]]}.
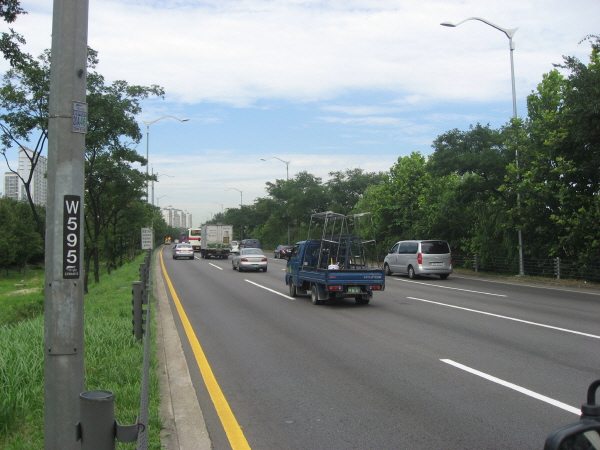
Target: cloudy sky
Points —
{"points": [[325, 85]]}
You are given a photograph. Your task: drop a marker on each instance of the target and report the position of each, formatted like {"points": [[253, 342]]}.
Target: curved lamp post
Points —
{"points": [[241, 217], [157, 175], [160, 198], [148, 145], [509, 32], [221, 206], [287, 178], [287, 165]]}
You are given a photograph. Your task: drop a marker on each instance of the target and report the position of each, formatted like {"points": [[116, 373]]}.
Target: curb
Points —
{"points": [[183, 422]]}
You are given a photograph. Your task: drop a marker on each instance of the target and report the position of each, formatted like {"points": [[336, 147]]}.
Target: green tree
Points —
{"points": [[24, 102], [9, 42], [111, 181], [346, 187], [479, 152], [8, 233], [395, 202], [560, 174], [20, 242]]}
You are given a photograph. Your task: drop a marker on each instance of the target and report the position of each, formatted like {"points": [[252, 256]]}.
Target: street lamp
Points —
{"points": [[509, 32], [287, 178], [287, 165], [157, 175], [241, 217], [148, 145], [160, 198], [221, 206]]}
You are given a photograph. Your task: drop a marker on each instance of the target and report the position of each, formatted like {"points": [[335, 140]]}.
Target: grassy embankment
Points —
{"points": [[113, 358]]}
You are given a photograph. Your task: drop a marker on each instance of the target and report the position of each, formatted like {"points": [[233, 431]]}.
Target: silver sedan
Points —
{"points": [[249, 259], [183, 251]]}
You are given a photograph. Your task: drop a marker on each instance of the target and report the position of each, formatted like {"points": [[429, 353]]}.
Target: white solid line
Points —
{"points": [[515, 387], [447, 287], [214, 265], [270, 290], [508, 318]]}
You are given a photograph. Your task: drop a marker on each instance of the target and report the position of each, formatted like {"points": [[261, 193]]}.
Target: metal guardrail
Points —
{"points": [[98, 429], [557, 268], [145, 394]]}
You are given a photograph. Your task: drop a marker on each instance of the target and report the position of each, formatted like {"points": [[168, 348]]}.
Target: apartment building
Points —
{"points": [[14, 187]]}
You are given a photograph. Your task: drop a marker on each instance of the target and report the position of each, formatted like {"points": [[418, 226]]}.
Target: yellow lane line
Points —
{"points": [[232, 428]]}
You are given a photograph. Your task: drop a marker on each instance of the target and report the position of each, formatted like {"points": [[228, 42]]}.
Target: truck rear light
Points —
{"points": [[375, 288], [335, 288], [420, 258]]}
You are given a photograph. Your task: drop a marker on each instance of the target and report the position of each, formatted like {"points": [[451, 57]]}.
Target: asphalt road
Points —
{"points": [[428, 364]]}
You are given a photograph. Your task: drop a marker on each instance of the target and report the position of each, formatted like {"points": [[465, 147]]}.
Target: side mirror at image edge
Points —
{"points": [[582, 435]]}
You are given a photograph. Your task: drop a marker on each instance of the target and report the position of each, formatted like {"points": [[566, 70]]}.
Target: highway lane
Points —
{"points": [[345, 376]]}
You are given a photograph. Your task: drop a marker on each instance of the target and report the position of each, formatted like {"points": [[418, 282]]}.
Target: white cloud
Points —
{"points": [[342, 73]]}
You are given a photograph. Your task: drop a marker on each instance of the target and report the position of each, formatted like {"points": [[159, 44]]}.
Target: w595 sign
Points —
{"points": [[71, 233]]}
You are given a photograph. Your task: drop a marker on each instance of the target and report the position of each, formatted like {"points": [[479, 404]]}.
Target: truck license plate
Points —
{"points": [[353, 290]]}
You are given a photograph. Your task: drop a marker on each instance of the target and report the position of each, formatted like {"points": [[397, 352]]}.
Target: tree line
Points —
{"points": [[479, 187]]}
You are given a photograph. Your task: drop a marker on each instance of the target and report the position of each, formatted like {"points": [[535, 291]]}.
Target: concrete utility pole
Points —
{"points": [[63, 294]]}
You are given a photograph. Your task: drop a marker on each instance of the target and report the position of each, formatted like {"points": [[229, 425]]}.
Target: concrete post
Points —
{"points": [[63, 293]]}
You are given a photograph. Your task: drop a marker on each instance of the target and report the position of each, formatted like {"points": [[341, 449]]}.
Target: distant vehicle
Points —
{"points": [[235, 247], [282, 251], [194, 237], [249, 259], [250, 243], [167, 240], [415, 258], [216, 241], [183, 251]]}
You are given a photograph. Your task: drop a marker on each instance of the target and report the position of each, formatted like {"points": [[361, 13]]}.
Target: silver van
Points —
{"points": [[419, 258]]}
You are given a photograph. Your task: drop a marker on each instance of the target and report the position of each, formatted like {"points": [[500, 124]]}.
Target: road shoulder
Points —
{"points": [[183, 423]]}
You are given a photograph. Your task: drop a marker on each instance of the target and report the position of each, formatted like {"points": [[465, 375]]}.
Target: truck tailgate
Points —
{"points": [[356, 276]]}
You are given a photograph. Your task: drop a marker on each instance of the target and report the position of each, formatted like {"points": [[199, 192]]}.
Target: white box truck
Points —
{"points": [[216, 241]]}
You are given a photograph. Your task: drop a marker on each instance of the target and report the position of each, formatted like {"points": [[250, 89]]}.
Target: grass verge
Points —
{"points": [[21, 296], [113, 361]]}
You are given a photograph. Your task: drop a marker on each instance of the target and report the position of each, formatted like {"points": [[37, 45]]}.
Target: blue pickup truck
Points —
{"points": [[332, 268]]}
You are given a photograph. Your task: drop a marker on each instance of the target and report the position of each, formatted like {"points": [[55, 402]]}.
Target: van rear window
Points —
{"points": [[435, 247]]}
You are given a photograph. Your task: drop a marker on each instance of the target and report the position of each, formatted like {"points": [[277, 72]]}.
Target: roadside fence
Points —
{"points": [[556, 268], [98, 429]]}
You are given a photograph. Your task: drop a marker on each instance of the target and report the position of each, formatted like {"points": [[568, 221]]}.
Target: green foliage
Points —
{"points": [[114, 189], [113, 361], [20, 241]]}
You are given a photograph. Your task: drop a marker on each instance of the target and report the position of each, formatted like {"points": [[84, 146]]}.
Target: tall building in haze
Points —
{"points": [[14, 187]]}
